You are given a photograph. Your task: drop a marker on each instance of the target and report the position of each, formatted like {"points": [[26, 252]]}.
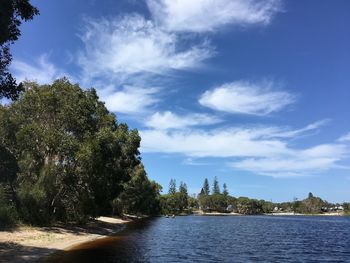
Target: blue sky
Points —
{"points": [[253, 92]]}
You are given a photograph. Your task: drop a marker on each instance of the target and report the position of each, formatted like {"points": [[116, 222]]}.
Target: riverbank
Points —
{"points": [[28, 244]]}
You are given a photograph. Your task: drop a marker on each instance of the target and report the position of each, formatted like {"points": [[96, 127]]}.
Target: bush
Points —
{"points": [[8, 213]]}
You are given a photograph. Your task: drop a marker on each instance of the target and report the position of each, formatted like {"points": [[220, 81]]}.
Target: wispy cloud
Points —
{"points": [[262, 150], [41, 70], [345, 138], [298, 163], [130, 99], [129, 45], [228, 142], [194, 162], [247, 98], [209, 15], [169, 120]]}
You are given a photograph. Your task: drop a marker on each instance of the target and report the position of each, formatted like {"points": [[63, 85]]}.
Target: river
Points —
{"points": [[222, 239]]}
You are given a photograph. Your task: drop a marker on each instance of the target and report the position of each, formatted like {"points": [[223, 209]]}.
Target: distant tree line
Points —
{"points": [[215, 200], [64, 157]]}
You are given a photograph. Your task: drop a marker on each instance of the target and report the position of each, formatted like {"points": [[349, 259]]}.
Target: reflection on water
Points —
{"points": [[221, 239]]}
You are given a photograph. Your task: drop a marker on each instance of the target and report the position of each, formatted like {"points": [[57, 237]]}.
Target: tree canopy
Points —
{"points": [[67, 157]]}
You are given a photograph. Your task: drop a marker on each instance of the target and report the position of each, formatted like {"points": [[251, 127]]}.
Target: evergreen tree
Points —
{"points": [[225, 191], [172, 187], [183, 196], [216, 188], [205, 188]]}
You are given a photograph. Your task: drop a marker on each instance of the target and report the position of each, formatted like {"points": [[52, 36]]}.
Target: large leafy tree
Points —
{"points": [[140, 195], [72, 154], [12, 13]]}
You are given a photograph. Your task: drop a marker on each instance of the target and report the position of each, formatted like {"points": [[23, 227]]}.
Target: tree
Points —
{"points": [[12, 13], [172, 186], [205, 188], [140, 195], [310, 195], [225, 191], [216, 188], [183, 196], [73, 156]]}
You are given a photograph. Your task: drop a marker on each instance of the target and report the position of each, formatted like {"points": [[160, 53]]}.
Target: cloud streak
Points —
{"points": [[209, 15], [169, 120], [261, 150], [345, 138], [244, 97], [41, 71], [299, 163]]}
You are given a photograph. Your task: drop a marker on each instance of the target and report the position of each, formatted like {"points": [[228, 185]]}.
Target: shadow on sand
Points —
{"points": [[11, 252]]}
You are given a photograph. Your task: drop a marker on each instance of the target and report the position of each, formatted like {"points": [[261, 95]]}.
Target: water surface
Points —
{"points": [[222, 239]]}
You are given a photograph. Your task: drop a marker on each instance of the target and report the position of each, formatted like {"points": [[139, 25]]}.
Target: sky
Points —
{"points": [[255, 92]]}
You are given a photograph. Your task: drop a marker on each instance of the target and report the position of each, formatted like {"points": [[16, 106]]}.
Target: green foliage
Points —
{"points": [[248, 206], [64, 155], [8, 165], [183, 196], [8, 212], [175, 202], [193, 203], [310, 205], [172, 186], [205, 189], [225, 191], [140, 196]]}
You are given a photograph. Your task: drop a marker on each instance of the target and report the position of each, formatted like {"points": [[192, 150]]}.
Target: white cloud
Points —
{"points": [[131, 45], [345, 138], [42, 71], [169, 120], [246, 98], [208, 15], [299, 163], [280, 132], [234, 142], [261, 150], [130, 100]]}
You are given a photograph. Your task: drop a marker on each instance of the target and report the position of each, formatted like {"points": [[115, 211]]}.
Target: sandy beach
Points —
{"points": [[28, 244]]}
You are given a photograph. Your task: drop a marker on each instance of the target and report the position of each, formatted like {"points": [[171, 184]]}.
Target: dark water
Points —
{"points": [[223, 239]]}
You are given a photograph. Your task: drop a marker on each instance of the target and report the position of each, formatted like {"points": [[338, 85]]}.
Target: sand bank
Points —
{"points": [[28, 244]]}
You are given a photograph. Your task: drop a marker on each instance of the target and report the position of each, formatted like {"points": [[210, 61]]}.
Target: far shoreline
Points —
{"points": [[199, 213]]}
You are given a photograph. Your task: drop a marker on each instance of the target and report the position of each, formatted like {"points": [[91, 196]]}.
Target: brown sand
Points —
{"points": [[28, 244]]}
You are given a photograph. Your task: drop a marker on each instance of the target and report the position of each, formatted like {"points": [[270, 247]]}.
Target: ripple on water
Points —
{"points": [[223, 239]]}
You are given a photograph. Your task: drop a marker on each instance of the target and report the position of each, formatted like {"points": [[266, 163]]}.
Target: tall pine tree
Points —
{"points": [[205, 188], [216, 188], [225, 191], [172, 187]]}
